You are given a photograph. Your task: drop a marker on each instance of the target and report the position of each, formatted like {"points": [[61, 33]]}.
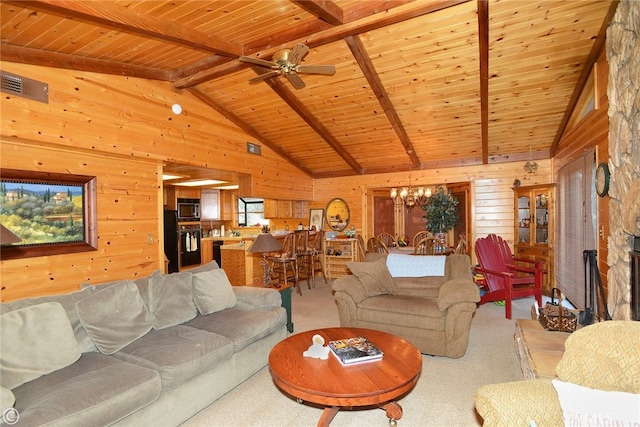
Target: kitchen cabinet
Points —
{"points": [[233, 263], [270, 208], [228, 205], [336, 265], [285, 209], [301, 209], [534, 208], [210, 204], [206, 250]]}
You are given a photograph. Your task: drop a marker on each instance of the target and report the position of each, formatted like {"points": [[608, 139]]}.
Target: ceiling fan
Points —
{"points": [[287, 62]]}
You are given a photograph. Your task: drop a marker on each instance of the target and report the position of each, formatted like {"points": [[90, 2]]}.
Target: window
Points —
{"points": [[251, 212]]}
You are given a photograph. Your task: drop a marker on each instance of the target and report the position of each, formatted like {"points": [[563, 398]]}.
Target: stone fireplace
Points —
{"points": [[623, 55]]}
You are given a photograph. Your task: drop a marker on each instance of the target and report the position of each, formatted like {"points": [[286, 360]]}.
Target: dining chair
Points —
{"points": [[461, 248], [426, 246], [315, 257], [387, 239], [375, 245], [362, 249], [419, 236]]}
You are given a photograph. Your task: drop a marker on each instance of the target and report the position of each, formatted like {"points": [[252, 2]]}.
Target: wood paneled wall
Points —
{"points": [[128, 207], [491, 195], [122, 131]]}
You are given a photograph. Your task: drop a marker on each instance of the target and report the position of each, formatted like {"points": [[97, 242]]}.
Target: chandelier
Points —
{"points": [[531, 166], [409, 196]]}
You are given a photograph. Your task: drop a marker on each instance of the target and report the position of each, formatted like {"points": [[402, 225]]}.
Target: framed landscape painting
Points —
{"points": [[44, 213]]}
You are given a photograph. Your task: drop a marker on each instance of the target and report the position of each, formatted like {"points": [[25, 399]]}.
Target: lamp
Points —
{"points": [[409, 197], [531, 166], [7, 237], [264, 244]]}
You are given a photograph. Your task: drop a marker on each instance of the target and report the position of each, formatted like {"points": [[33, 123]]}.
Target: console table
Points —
{"points": [[539, 350]]}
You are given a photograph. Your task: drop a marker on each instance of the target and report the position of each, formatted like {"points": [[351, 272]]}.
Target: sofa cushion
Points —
{"points": [[7, 400], [178, 353], [243, 327], [68, 302], [96, 390], [587, 406], [36, 341], [114, 316], [402, 310], [170, 299], [212, 265], [212, 291], [374, 276]]}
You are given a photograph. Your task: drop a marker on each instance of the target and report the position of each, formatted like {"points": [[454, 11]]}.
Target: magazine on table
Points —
{"points": [[354, 350]]}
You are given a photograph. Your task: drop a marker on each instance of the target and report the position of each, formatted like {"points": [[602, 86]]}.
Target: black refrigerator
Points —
{"points": [[171, 239]]}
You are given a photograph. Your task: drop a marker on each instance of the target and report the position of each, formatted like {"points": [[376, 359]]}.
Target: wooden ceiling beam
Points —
{"points": [[306, 115], [106, 14], [380, 20], [597, 47], [246, 127], [328, 11], [26, 55], [364, 61], [483, 39]]}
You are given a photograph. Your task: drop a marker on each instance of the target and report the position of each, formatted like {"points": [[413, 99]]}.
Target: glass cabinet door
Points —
{"points": [[540, 220], [524, 219]]}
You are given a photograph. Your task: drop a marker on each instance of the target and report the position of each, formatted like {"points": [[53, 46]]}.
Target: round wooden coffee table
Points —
{"points": [[328, 383]]}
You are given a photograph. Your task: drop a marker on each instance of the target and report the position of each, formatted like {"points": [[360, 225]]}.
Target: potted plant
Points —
{"points": [[441, 214]]}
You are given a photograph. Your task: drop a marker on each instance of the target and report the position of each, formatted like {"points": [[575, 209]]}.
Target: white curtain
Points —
{"points": [[575, 225]]}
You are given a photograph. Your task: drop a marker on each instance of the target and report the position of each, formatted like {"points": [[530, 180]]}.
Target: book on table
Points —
{"points": [[354, 350]]}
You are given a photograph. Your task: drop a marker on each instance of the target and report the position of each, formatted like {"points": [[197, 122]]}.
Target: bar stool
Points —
{"points": [[284, 265]]}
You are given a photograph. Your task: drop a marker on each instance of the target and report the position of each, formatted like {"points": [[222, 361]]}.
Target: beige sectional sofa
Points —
{"points": [[432, 312], [150, 352]]}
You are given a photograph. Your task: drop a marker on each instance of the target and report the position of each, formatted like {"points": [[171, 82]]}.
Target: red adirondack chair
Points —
{"points": [[505, 251], [506, 281]]}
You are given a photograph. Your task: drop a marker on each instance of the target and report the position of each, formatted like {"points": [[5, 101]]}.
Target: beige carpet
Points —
{"points": [[443, 395]]}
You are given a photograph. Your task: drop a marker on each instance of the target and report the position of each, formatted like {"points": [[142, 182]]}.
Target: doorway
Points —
{"points": [[411, 221]]}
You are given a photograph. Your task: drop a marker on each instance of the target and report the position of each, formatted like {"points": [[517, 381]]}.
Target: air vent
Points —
{"points": [[24, 87], [254, 148]]}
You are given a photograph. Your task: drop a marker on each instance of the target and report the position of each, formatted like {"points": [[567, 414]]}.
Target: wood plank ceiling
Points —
{"points": [[419, 84]]}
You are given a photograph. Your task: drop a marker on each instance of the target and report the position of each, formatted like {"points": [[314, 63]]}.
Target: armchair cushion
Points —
{"points": [[587, 406], [614, 366], [374, 276]]}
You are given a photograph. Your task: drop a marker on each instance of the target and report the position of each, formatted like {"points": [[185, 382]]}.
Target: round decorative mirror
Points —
{"points": [[337, 214]]}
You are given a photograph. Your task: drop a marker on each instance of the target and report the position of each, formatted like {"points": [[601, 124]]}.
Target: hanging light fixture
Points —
{"points": [[531, 166], [409, 197]]}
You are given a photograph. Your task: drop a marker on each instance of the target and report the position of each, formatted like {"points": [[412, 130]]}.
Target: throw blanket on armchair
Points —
{"points": [[415, 266]]}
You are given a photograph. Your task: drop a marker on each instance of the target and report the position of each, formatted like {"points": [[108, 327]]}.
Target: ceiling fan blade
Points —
{"points": [[298, 52], [329, 70], [264, 76], [295, 80], [257, 61]]}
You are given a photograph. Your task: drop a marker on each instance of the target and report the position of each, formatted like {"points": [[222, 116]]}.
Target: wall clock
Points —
{"points": [[602, 179]]}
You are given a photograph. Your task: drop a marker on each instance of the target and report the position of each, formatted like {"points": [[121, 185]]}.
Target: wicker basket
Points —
{"points": [[555, 317]]}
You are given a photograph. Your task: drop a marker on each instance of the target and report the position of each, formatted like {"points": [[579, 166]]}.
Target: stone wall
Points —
{"points": [[623, 55]]}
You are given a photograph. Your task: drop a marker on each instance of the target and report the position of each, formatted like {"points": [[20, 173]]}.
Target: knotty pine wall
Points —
{"points": [[122, 131], [491, 195]]}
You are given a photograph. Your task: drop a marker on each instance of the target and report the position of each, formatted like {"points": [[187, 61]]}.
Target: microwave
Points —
{"points": [[188, 209]]}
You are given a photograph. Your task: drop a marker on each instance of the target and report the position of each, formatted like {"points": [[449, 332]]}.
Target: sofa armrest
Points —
{"points": [[519, 403], [457, 291], [251, 298]]}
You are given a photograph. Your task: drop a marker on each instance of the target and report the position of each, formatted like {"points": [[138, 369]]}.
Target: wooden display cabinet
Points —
{"points": [[534, 209], [336, 265]]}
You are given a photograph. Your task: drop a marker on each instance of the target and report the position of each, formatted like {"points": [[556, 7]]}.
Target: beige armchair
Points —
{"points": [[433, 313], [604, 356]]}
